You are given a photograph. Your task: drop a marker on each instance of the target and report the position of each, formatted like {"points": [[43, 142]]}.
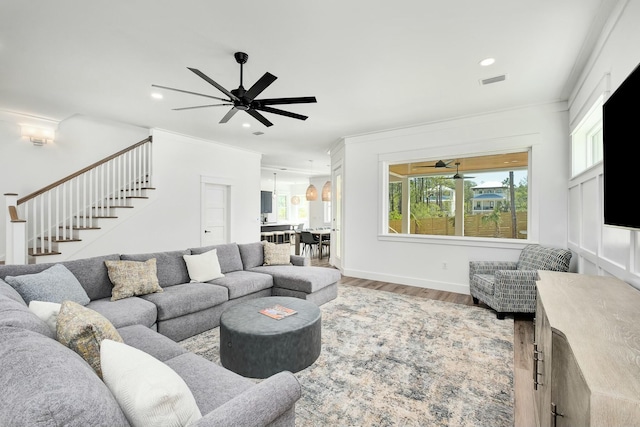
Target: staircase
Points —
{"points": [[64, 217]]}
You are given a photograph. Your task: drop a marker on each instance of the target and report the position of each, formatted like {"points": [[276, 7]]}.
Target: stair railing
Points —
{"points": [[55, 212]]}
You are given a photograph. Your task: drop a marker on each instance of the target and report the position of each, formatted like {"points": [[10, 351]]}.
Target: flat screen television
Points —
{"points": [[620, 155]]}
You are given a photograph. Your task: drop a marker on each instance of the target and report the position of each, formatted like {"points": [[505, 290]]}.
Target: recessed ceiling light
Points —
{"points": [[156, 95], [487, 61], [246, 125]]}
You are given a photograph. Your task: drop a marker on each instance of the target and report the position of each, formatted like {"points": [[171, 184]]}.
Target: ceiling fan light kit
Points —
{"points": [[241, 99]]}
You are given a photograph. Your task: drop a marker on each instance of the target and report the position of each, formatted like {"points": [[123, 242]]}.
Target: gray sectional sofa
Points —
{"points": [[44, 383]]}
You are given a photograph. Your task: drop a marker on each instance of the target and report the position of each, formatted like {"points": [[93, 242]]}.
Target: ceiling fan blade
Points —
{"points": [[190, 93], [282, 113], [229, 114], [214, 84], [298, 100], [439, 164], [260, 85], [259, 117], [199, 106]]}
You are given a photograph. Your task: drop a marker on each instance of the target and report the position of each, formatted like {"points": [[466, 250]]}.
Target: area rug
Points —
{"points": [[395, 360]]}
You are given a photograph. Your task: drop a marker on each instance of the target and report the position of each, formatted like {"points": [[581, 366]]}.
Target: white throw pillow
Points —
{"points": [[203, 267], [149, 392], [47, 311]]}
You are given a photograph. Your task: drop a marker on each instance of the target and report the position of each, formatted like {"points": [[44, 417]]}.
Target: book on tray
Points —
{"points": [[278, 312]]}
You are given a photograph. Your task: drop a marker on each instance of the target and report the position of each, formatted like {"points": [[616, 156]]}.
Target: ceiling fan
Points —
{"points": [[438, 164], [458, 176], [241, 99]]}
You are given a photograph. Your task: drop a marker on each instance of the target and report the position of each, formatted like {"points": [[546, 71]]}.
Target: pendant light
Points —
{"points": [[312, 192], [326, 192], [274, 186], [295, 200]]}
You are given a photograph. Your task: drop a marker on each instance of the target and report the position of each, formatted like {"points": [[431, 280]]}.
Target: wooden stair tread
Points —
{"points": [[61, 240], [129, 197], [141, 188], [80, 228], [40, 252]]}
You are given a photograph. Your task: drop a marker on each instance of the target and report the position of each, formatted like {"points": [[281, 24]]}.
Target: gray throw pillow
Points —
{"points": [[55, 284]]}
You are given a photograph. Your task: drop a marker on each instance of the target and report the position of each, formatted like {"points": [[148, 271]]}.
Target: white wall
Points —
{"points": [[603, 250], [172, 220], [80, 141], [442, 263]]}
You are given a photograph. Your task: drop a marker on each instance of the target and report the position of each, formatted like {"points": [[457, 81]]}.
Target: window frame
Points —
{"points": [[513, 146]]}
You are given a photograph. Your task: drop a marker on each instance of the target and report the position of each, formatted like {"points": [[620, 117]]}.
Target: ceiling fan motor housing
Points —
{"points": [[241, 57]]}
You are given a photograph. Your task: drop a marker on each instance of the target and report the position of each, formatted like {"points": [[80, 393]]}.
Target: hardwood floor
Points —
{"points": [[522, 333]]}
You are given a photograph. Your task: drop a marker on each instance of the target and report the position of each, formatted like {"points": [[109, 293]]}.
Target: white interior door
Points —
{"points": [[215, 214], [336, 236]]}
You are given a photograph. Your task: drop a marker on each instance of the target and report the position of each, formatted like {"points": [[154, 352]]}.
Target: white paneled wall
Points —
{"points": [[600, 249]]}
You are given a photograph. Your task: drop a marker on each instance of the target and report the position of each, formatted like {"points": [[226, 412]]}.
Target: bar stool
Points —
{"points": [[291, 236], [267, 235], [278, 236]]}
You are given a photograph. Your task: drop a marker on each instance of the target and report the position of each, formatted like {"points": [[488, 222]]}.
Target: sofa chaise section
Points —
{"points": [[298, 279]]}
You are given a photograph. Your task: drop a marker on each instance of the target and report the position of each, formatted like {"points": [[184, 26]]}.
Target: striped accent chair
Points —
{"points": [[510, 287]]}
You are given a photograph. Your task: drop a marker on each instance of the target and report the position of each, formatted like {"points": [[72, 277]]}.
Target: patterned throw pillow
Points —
{"points": [[276, 254], [82, 329], [203, 267], [131, 278], [55, 284]]}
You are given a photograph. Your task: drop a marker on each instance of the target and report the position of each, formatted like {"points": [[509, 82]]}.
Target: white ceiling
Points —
{"points": [[372, 65]]}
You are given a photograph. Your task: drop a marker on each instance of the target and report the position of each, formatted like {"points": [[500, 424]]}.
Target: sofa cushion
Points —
{"points": [[13, 313], [55, 284], [127, 311], [8, 291], [203, 267], [92, 274], [150, 393], [171, 268], [252, 255], [228, 256], [82, 329], [131, 278], [50, 385], [537, 257], [47, 312], [303, 279], [151, 342], [275, 254], [241, 283], [187, 298]]}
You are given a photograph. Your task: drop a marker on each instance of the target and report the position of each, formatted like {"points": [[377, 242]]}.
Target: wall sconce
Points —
{"points": [[326, 192], [39, 136]]}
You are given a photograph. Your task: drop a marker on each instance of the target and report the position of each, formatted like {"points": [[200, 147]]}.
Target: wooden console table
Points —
{"points": [[586, 351]]}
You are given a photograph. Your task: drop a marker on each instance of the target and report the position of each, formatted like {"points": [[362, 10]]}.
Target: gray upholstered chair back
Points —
{"points": [[537, 257]]}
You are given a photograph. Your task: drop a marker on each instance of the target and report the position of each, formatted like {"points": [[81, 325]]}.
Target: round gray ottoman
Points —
{"points": [[257, 346]]}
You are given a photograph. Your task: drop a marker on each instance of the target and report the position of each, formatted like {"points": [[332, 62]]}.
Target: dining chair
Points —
{"points": [[325, 242], [309, 242]]}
